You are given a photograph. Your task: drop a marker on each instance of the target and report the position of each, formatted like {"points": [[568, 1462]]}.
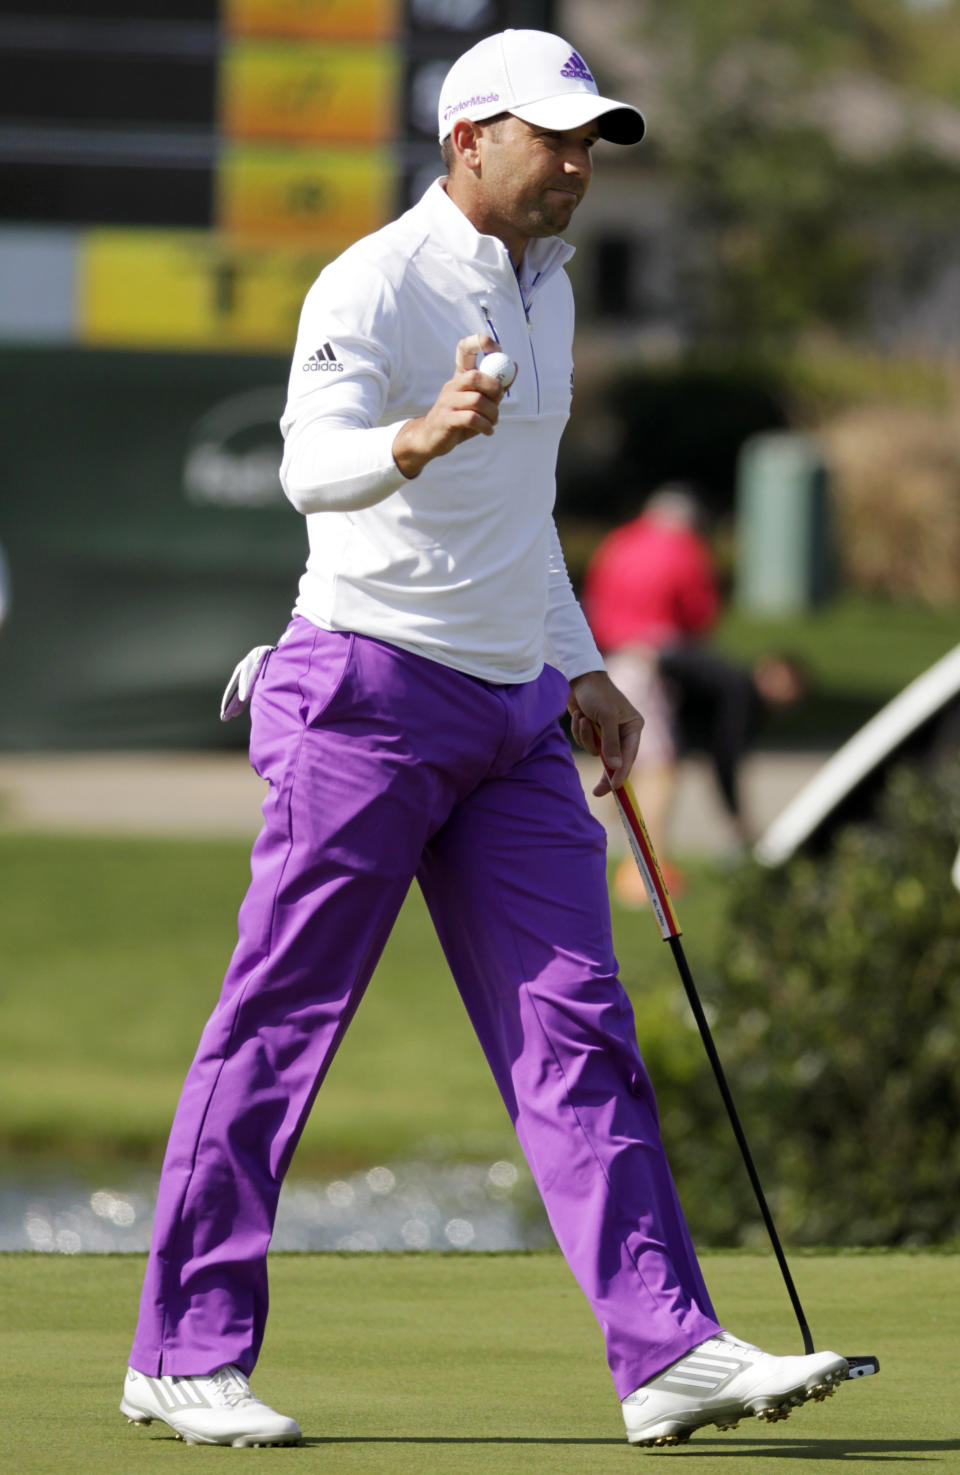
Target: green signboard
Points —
{"points": [[147, 542]]}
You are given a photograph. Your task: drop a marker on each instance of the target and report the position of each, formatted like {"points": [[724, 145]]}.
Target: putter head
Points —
{"points": [[862, 1367]]}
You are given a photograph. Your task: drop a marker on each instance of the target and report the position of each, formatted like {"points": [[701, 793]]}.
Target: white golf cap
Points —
{"points": [[537, 76]]}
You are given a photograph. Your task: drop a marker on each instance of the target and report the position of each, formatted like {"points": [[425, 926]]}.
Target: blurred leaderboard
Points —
{"points": [[174, 173]]}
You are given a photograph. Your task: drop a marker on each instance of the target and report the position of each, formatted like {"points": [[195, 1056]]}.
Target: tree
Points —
{"points": [[790, 222]]}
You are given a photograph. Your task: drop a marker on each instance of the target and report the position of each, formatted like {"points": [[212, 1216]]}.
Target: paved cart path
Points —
{"points": [[217, 794]]}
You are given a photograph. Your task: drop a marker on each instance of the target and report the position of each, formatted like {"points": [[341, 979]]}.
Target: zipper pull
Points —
{"points": [[486, 318]]}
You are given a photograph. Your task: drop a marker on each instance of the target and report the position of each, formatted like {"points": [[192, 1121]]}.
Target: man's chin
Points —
{"points": [[553, 219]]}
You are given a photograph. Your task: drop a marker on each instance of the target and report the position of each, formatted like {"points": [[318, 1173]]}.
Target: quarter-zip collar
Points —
{"points": [[448, 225]]}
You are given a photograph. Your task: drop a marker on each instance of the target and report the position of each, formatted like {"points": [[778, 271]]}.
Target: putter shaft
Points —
{"points": [[649, 867]]}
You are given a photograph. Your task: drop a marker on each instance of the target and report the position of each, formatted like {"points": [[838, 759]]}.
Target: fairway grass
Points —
{"points": [[118, 947], [471, 1364]]}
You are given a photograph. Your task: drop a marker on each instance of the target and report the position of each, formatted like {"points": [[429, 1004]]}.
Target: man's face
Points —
{"points": [[531, 179]]}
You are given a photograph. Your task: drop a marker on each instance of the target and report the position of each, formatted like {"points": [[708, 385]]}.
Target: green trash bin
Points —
{"points": [[783, 538]]}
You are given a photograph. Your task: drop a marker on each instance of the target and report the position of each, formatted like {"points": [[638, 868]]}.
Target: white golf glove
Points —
{"points": [[239, 690]]}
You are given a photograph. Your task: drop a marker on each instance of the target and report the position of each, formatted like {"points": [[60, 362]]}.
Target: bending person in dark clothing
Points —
{"points": [[721, 707]]}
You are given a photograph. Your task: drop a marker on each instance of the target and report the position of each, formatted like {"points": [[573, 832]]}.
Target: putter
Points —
{"points": [[652, 876]]}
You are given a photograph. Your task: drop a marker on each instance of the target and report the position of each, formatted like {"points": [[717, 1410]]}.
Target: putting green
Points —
{"points": [[469, 1364]]}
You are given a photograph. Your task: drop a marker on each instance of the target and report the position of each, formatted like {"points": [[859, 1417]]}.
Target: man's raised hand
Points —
{"points": [[466, 406]]}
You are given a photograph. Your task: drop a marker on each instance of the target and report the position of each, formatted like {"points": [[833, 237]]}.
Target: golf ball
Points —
{"points": [[499, 367]]}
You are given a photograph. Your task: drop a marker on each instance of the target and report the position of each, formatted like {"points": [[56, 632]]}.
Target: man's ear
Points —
{"points": [[466, 144]]}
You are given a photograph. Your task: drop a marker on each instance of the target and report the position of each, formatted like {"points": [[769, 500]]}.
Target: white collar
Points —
{"points": [[541, 259]]}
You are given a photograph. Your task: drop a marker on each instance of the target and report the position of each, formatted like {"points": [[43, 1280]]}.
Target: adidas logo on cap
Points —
{"points": [[576, 67]]}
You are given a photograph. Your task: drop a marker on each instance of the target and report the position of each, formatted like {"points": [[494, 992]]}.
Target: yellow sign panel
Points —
{"points": [[362, 20], [333, 94], [192, 290], [324, 197]]}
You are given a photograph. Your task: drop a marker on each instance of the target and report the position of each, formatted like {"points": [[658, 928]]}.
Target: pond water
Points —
{"points": [[406, 1206]]}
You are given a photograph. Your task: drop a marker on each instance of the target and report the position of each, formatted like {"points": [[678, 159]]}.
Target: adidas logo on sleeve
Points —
{"points": [[323, 361]]}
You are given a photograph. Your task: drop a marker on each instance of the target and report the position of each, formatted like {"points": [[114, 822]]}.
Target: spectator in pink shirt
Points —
{"points": [[651, 586]]}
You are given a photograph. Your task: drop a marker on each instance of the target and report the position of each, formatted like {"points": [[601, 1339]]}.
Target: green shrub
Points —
{"points": [[836, 1013]]}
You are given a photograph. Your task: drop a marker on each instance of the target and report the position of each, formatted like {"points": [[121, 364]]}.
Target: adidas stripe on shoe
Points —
{"points": [[722, 1381], [218, 1408]]}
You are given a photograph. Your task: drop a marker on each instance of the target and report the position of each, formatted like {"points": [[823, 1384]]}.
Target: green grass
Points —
{"points": [[860, 652], [854, 643], [473, 1364], [113, 954]]}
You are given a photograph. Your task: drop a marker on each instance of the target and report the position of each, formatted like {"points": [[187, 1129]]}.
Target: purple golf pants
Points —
{"points": [[384, 766]]}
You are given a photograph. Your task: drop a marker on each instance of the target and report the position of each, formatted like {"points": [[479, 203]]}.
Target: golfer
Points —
{"points": [[407, 727]]}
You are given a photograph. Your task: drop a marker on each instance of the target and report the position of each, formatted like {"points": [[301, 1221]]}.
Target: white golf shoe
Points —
{"points": [[722, 1381], [216, 1409]]}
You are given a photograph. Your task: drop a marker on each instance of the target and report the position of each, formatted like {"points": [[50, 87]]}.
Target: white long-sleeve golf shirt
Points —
{"points": [[461, 564]]}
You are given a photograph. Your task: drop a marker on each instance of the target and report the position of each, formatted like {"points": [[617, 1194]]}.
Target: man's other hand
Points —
{"points": [[596, 704]]}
